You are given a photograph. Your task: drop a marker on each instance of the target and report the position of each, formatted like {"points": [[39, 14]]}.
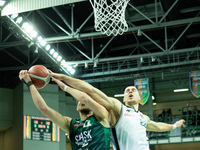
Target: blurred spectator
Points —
{"points": [[188, 133], [195, 111], [162, 115], [169, 115], [189, 108], [193, 132]]}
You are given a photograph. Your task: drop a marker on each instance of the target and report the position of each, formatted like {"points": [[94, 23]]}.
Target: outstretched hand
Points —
{"points": [[54, 75], [54, 79], [23, 74], [180, 123]]}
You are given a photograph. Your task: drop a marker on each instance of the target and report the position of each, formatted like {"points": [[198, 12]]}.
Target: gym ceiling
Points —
{"points": [[162, 44]]}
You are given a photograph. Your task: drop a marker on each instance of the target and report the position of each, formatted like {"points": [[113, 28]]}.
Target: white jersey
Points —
{"points": [[129, 133]]}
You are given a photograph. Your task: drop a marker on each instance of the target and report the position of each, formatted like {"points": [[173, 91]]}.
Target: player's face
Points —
{"points": [[82, 107], [131, 94]]}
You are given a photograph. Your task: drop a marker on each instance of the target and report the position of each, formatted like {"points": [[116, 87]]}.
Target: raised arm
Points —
{"points": [[57, 118], [99, 111], [96, 94], [162, 127]]}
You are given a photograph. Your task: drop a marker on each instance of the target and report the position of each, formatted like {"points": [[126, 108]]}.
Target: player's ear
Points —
{"points": [[123, 100], [77, 108]]}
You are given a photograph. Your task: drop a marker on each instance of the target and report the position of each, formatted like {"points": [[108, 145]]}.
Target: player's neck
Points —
{"points": [[135, 106], [84, 116]]}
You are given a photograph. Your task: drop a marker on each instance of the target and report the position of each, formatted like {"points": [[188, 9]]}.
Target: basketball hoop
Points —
{"points": [[110, 18]]}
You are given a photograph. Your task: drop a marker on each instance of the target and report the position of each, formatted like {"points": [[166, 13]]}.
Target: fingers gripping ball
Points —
{"points": [[39, 76]]}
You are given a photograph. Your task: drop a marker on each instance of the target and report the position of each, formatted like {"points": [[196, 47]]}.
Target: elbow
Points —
{"points": [[42, 108], [86, 87], [92, 89], [84, 99]]}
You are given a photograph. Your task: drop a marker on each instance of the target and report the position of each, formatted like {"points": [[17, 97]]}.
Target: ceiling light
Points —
{"points": [[154, 104], [72, 71], [25, 24], [43, 43], [55, 55], [39, 38], [52, 51], [63, 62], [119, 95], [47, 47], [69, 68], [34, 34], [59, 58], [153, 97], [181, 90], [31, 35], [29, 28]]}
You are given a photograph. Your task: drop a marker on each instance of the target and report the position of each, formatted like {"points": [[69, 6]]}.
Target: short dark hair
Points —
{"points": [[128, 86]]}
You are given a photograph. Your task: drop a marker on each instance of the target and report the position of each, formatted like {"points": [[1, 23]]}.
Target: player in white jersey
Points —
{"points": [[130, 130], [129, 126]]}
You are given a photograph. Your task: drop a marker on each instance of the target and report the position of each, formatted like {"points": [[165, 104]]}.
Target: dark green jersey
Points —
{"points": [[89, 135]]}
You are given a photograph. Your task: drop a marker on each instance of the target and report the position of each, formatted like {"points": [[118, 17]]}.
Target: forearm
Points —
{"points": [[85, 87], [60, 84], [93, 92], [37, 99], [77, 83], [57, 118], [78, 95], [164, 127]]}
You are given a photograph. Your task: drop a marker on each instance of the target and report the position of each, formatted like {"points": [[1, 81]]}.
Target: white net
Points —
{"points": [[109, 16]]}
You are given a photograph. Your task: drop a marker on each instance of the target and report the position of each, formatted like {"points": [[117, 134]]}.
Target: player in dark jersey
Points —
{"points": [[90, 132]]}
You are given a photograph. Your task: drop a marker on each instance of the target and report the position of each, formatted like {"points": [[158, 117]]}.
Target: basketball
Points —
{"points": [[39, 76]]}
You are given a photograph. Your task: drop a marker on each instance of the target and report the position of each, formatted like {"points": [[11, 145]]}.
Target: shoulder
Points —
{"points": [[147, 117], [115, 110], [115, 103], [67, 124], [68, 120], [104, 121]]}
